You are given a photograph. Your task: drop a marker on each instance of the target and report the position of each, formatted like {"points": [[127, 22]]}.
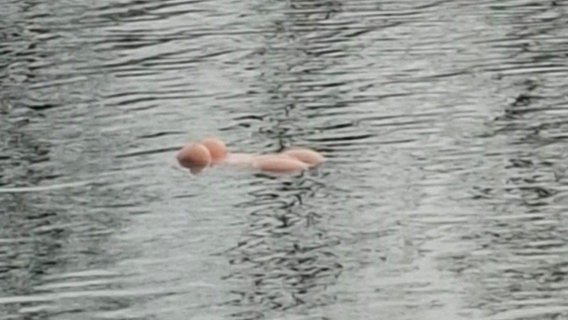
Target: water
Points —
{"points": [[444, 122]]}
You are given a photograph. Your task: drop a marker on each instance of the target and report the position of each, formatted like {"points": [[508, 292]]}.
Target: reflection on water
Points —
{"points": [[444, 196]]}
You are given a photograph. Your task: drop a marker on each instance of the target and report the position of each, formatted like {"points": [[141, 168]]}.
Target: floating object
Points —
{"points": [[216, 148], [278, 163], [213, 151], [240, 159], [195, 157], [305, 155]]}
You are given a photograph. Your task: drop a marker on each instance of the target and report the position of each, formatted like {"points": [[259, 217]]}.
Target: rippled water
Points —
{"points": [[444, 197]]}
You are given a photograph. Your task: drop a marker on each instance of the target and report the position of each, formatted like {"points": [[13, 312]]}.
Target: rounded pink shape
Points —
{"points": [[278, 163], [216, 148], [194, 156], [305, 155]]}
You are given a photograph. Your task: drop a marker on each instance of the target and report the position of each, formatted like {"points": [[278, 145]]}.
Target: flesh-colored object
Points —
{"points": [[216, 148], [240, 159], [194, 156], [278, 163], [213, 151], [308, 156]]}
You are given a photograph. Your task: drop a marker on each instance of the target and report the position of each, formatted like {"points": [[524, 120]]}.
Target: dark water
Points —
{"points": [[445, 195]]}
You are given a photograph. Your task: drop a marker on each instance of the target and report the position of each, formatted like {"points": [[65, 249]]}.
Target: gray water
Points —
{"points": [[444, 196]]}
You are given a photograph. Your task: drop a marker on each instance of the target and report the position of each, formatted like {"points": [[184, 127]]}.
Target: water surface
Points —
{"points": [[444, 124]]}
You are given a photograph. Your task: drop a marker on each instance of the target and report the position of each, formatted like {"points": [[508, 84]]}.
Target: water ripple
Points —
{"points": [[443, 122]]}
